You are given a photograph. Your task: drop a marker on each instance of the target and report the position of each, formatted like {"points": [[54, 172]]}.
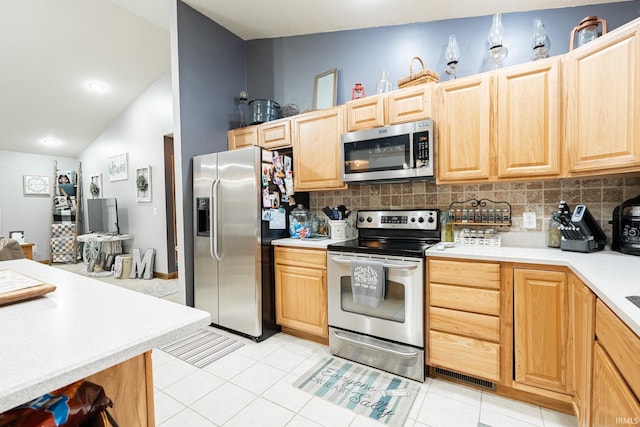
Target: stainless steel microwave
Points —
{"points": [[391, 153]]}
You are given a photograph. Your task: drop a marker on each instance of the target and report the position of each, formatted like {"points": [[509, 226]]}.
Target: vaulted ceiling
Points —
{"points": [[51, 50]]}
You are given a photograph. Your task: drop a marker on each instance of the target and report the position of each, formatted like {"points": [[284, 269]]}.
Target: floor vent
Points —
{"points": [[487, 385]]}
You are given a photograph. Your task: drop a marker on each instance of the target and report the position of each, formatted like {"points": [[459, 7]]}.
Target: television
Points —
{"points": [[103, 216]]}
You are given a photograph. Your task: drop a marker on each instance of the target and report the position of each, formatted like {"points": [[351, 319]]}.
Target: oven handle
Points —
{"points": [[342, 260], [376, 347]]}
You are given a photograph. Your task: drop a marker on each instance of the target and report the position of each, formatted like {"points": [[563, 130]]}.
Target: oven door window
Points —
{"points": [[382, 154], [390, 308]]}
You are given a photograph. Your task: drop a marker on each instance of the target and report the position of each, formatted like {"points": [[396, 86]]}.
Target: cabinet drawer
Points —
{"points": [[313, 258], [466, 299], [621, 344], [480, 274], [471, 325], [465, 355]]}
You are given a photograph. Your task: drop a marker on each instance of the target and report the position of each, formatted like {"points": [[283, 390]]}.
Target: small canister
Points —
{"points": [[300, 223], [338, 229]]}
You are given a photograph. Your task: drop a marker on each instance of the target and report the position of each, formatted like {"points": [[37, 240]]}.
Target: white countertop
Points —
{"points": [[612, 276], [83, 327], [306, 243]]}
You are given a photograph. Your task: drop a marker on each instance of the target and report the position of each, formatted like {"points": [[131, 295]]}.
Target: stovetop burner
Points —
{"points": [[394, 232]]}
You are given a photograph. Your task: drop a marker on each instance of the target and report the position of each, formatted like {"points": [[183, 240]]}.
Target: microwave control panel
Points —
{"points": [[421, 149]]}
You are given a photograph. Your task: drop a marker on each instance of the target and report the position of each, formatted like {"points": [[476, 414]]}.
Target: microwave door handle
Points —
{"points": [[213, 240], [342, 260]]}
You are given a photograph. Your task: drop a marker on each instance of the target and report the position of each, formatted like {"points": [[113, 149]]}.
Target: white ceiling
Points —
{"points": [[50, 49]]}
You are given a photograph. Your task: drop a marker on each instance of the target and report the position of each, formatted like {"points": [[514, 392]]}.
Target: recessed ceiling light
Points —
{"points": [[97, 87], [50, 141]]}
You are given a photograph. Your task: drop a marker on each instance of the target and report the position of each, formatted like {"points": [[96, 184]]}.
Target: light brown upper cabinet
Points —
{"points": [[365, 113], [529, 125], [502, 125], [317, 154], [242, 137], [463, 127], [410, 104], [602, 80], [275, 134], [400, 106]]}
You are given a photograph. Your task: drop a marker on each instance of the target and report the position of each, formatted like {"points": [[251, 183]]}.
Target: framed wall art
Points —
{"points": [[36, 185], [143, 184], [118, 167], [18, 236], [95, 185], [325, 89]]}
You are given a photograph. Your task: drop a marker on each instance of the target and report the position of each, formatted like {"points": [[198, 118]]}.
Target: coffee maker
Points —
{"points": [[626, 227]]}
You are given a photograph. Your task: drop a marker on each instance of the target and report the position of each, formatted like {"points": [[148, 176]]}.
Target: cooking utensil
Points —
{"points": [[345, 212]]}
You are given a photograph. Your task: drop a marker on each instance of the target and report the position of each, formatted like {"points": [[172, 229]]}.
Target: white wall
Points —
{"points": [[31, 214], [139, 132]]}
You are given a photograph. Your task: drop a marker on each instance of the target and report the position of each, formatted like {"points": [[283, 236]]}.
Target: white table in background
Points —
{"points": [[94, 243]]}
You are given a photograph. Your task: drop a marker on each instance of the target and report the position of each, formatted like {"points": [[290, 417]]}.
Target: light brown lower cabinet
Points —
{"points": [[616, 377], [541, 329], [301, 290], [582, 331], [562, 348], [613, 402], [129, 385], [463, 326]]}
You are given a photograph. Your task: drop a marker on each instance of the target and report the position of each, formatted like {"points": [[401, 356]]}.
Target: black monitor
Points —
{"points": [[103, 216]]}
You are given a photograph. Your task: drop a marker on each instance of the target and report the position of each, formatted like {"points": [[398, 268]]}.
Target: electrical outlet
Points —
{"points": [[529, 220]]}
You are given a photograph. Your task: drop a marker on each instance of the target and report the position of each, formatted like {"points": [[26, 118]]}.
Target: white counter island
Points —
{"points": [[86, 329]]}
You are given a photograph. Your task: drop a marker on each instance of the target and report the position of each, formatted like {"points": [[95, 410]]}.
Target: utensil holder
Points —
{"points": [[338, 229]]}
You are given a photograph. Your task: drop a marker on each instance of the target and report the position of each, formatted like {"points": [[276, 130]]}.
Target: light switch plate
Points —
{"points": [[529, 220]]}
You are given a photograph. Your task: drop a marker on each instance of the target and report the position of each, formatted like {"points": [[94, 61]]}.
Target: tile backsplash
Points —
{"points": [[600, 194]]}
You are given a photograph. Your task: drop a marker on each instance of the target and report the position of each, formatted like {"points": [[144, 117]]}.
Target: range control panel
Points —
{"points": [[419, 219]]}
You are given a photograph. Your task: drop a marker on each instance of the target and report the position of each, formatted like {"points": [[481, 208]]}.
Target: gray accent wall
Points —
{"points": [[283, 69], [211, 75]]}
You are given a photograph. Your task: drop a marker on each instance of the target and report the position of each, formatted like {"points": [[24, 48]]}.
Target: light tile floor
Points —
{"points": [[253, 387]]}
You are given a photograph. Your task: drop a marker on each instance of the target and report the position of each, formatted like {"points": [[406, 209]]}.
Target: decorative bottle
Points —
{"points": [[243, 109], [384, 84]]}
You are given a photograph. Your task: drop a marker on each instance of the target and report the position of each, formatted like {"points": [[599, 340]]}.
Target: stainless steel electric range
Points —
{"points": [[387, 331]]}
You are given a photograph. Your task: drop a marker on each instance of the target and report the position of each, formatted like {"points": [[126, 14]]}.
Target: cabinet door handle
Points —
{"points": [[213, 243]]}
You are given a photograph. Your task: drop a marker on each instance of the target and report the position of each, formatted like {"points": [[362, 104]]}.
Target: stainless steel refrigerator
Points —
{"points": [[233, 268]]}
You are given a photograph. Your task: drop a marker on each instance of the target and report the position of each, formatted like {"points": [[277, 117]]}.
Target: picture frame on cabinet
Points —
{"points": [[143, 184], [35, 185], [18, 236], [118, 167], [325, 89]]}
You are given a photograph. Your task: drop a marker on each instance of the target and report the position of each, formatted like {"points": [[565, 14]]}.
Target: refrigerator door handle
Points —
{"points": [[213, 239]]}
